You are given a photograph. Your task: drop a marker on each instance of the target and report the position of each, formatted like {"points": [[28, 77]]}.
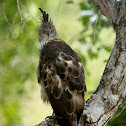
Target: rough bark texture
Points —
{"points": [[111, 92]]}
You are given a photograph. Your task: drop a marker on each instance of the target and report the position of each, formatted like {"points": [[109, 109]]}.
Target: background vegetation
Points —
{"points": [[78, 23]]}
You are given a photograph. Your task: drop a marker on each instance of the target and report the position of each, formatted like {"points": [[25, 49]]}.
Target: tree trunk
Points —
{"points": [[111, 92]]}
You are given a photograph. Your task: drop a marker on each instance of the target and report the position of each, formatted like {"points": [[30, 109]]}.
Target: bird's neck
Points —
{"points": [[44, 42]]}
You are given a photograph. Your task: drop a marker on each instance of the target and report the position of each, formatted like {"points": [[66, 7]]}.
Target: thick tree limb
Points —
{"points": [[111, 92]]}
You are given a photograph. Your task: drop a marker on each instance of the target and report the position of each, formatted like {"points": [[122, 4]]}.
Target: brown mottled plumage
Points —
{"points": [[60, 74]]}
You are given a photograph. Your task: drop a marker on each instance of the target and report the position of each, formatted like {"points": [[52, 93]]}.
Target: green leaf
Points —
{"points": [[92, 55], [107, 48]]}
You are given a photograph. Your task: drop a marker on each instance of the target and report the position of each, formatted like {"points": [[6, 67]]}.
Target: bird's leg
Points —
{"points": [[51, 117], [73, 120], [49, 120]]}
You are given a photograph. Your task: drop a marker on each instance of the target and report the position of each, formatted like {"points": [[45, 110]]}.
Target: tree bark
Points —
{"points": [[111, 92]]}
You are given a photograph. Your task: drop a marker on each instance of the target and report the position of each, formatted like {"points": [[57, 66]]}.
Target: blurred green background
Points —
{"points": [[78, 23]]}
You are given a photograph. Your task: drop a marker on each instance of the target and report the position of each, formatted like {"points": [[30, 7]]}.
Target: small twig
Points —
{"points": [[13, 27], [9, 23], [24, 26], [14, 19], [27, 11], [95, 23], [19, 11], [20, 41], [10, 30], [21, 15]]}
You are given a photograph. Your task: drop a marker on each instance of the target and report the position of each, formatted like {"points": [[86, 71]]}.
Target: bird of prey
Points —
{"points": [[60, 74]]}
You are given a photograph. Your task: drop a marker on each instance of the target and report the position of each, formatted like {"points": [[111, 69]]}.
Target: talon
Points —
{"points": [[50, 117]]}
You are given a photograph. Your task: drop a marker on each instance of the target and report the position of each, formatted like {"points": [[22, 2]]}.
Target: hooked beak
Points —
{"points": [[48, 33]]}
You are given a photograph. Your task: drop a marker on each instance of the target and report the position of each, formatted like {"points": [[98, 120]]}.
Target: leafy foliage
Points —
{"points": [[119, 118], [14, 60], [90, 17]]}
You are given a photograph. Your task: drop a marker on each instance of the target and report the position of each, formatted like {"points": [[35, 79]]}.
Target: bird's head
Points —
{"points": [[47, 30]]}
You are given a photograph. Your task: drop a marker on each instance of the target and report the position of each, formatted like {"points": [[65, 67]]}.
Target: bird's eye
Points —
{"points": [[53, 31], [43, 31]]}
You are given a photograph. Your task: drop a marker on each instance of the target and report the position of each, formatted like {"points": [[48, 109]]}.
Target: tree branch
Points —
{"points": [[111, 92], [106, 7]]}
